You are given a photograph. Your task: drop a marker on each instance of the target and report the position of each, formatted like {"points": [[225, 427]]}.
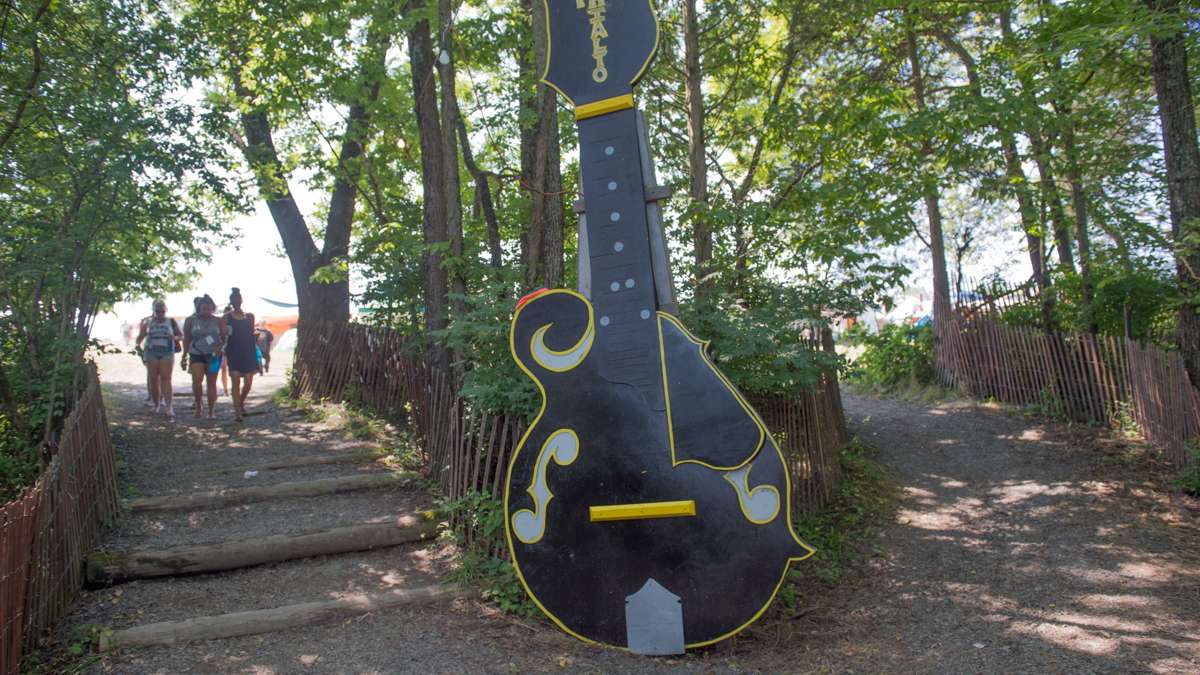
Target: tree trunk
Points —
{"points": [[697, 156], [1173, 88], [1079, 205], [433, 173], [451, 184], [1031, 219], [546, 213], [933, 208], [318, 301], [483, 196]]}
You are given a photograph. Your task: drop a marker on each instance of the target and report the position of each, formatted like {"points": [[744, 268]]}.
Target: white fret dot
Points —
{"points": [[604, 321], [615, 216], [645, 314], [609, 150], [629, 283], [612, 185], [618, 247], [616, 286]]}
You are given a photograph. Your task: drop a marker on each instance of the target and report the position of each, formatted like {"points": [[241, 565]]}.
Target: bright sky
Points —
{"points": [[252, 262]]}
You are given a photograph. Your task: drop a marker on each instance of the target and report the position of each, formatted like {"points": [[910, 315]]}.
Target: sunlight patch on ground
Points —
{"points": [[1013, 493], [1106, 601], [1071, 637]]}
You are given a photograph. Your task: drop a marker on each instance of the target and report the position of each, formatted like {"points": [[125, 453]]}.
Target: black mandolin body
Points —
{"points": [[599, 443]]}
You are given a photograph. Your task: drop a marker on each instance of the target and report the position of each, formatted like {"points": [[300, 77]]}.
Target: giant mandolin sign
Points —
{"points": [[647, 506]]}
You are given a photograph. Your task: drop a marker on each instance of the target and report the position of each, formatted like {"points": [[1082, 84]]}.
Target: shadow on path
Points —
{"points": [[1014, 552]]}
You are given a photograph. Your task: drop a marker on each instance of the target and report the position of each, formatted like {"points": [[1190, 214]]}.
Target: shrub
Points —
{"points": [[897, 355]]}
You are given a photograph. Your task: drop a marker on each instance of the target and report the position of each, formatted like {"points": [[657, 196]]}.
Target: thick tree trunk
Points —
{"points": [[318, 301], [933, 207], [451, 184], [697, 155], [1173, 87], [546, 215], [433, 173]]}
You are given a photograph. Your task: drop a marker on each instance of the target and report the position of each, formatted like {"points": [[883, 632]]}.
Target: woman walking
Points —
{"points": [[203, 343], [243, 362], [160, 334]]}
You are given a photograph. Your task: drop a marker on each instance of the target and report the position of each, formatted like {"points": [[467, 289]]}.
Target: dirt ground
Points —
{"points": [[1017, 547]]}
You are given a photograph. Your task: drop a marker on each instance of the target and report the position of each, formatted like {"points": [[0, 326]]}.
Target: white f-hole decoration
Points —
{"points": [[560, 362], [563, 448], [760, 505]]}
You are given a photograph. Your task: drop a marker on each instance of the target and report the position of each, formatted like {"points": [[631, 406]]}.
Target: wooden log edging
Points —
{"points": [[107, 568], [314, 460], [236, 496], [260, 621]]}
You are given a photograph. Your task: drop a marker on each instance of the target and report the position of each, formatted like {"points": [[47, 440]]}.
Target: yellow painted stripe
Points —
{"points": [[603, 107], [639, 511]]}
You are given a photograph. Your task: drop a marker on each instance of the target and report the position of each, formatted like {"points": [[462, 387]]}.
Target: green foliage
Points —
{"points": [[897, 356], [1144, 294], [495, 577], [1189, 479], [109, 187], [760, 348], [843, 531], [492, 379]]}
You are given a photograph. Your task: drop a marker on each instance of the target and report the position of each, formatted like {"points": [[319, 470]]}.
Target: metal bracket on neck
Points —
{"points": [[660, 262]]}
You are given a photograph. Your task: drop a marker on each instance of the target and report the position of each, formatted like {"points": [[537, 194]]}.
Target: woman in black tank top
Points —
{"points": [[239, 352]]}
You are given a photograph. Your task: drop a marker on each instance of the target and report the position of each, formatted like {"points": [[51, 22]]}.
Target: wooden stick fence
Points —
{"points": [[1090, 378], [46, 532], [467, 450]]}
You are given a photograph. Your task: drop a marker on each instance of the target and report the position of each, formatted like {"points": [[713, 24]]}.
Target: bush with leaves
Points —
{"points": [[896, 356]]}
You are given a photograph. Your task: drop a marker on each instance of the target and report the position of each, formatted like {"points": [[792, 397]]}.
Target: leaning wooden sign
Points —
{"points": [[647, 506]]}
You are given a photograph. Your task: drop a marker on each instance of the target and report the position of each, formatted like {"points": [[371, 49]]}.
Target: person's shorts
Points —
{"points": [[155, 354], [206, 359]]}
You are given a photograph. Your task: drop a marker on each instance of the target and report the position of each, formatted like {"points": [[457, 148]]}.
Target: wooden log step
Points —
{"points": [[104, 568], [261, 621], [246, 495], [312, 460]]}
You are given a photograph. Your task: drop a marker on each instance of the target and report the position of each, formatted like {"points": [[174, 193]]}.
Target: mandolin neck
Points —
{"points": [[619, 250]]}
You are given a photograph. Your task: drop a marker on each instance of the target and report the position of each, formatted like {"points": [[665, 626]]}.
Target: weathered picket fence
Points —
{"points": [[467, 450], [46, 532], [1090, 378]]}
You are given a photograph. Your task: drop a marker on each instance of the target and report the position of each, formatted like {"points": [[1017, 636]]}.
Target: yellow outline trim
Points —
{"points": [[545, 476], [640, 72], [703, 345], [604, 514], [512, 462], [604, 106], [787, 481]]}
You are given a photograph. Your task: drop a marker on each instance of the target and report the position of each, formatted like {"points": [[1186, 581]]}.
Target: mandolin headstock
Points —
{"points": [[598, 49]]}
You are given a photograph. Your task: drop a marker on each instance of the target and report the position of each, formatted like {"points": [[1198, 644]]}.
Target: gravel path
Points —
{"points": [[1015, 549]]}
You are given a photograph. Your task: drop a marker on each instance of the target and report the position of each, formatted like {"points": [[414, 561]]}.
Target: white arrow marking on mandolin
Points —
{"points": [[563, 447], [760, 505]]}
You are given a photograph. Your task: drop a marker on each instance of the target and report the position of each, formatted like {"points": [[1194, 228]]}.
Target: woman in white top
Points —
{"points": [[160, 334]]}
